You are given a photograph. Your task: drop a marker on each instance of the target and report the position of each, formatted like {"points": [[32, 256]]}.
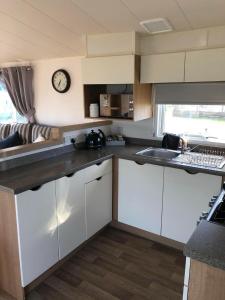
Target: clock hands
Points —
{"points": [[59, 83]]}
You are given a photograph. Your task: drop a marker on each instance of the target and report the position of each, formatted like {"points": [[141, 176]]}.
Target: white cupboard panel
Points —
{"points": [[37, 231], [70, 212], [185, 196], [205, 65], [185, 293], [108, 70], [120, 43], [140, 195], [187, 271], [162, 68], [98, 197]]}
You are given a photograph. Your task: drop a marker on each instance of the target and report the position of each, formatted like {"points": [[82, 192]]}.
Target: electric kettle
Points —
{"points": [[95, 140]]}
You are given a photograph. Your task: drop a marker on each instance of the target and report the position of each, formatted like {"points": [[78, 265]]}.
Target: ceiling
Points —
{"points": [[36, 29]]}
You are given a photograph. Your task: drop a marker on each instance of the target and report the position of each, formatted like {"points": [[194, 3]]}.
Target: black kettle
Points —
{"points": [[95, 140]]}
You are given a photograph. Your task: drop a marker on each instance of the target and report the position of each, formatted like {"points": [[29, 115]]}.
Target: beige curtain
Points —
{"points": [[18, 81]]}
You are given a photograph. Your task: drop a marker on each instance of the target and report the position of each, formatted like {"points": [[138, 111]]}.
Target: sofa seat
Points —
{"points": [[28, 133]]}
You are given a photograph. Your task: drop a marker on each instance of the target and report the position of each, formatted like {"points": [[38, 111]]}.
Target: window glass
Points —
{"points": [[8, 113], [200, 122]]}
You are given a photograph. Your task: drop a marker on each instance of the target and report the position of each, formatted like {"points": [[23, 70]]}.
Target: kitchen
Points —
{"points": [[119, 221]]}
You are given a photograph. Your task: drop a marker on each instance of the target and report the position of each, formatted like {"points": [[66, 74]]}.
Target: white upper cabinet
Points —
{"points": [[120, 43], [37, 231], [162, 68], [140, 195], [205, 65], [109, 70], [185, 196]]}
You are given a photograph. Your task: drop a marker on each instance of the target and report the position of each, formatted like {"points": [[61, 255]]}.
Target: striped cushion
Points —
{"points": [[24, 131], [4, 131], [45, 131]]}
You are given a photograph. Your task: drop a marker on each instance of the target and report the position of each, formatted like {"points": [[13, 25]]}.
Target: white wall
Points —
{"points": [[142, 129], [53, 108]]}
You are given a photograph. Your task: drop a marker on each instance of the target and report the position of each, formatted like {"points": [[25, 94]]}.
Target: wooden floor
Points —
{"points": [[116, 265]]}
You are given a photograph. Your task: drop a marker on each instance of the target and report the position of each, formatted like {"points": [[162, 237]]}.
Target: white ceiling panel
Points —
{"points": [[7, 53], [204, 13], [25, 33], [68, 14], [150, 9], [34, 29], [33, 18], [112, 15], [20, 46]]}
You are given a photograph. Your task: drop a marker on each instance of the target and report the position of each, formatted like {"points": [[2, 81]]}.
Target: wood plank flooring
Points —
{"points": [[116, 265]]}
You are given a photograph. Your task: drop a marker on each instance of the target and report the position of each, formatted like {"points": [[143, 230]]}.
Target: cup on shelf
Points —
{"points": [[94, 110]]}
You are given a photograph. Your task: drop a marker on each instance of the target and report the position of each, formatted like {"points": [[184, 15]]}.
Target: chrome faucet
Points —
{"points": [[183, 146]]}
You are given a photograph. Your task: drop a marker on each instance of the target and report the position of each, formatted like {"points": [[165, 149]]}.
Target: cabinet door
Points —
{"points": [[162, 68], [185, 196], [70, 212], [140, 195], [37, 231], [98, 195], [205, 65], [108, 70]]}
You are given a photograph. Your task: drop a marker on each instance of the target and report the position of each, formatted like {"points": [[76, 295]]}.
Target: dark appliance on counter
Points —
{"points": [[171, 141], [95, 140], [216, 213]]}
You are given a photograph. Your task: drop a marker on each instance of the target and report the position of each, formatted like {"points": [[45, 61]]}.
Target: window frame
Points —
{"points": [[158, 131]]}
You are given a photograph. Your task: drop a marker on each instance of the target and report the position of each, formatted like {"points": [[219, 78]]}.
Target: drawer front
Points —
{"points": [[98, 170]]}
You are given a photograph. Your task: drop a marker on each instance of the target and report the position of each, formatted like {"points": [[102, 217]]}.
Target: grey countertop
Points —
{"points": [[20, 179], [207, 244]]}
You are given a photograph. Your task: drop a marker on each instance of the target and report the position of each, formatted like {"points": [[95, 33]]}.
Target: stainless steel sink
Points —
{"points": [[159, 153]]}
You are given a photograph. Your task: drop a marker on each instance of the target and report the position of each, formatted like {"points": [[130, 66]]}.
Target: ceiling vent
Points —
{"points": [[158, 25]]}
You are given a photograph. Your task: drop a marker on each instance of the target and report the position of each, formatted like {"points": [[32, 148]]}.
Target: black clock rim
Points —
{"points": [[67, 78]]}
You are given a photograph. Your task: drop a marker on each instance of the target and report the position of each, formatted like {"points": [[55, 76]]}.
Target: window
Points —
{"points": [[8, 113], [199, 122]]}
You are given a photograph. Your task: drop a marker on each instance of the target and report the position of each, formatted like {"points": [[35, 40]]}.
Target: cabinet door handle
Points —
{"points": [[36, 188], [99, 163], [99, 178], [191, 172], [70, 174], [140, 164]]}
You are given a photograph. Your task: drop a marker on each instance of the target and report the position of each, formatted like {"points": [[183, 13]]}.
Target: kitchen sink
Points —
{"points": [[159, 153]]}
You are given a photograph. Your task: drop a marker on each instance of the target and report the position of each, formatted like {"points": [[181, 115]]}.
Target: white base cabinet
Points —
{"points": [[185, 196], [54, 219], [70, 212], [37, 231], [140, 195], [98, 200]]}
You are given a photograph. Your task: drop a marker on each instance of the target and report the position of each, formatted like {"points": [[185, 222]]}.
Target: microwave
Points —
{"points": [[117, 106]]}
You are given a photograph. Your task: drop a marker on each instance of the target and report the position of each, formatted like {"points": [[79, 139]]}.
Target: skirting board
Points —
{"points": [[147, 235]]}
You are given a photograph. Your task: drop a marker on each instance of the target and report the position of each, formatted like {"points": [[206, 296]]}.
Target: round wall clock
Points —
{"points": [[61, 81]]}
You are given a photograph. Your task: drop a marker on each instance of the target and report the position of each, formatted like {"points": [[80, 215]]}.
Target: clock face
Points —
{"points": [[61, 81]]}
